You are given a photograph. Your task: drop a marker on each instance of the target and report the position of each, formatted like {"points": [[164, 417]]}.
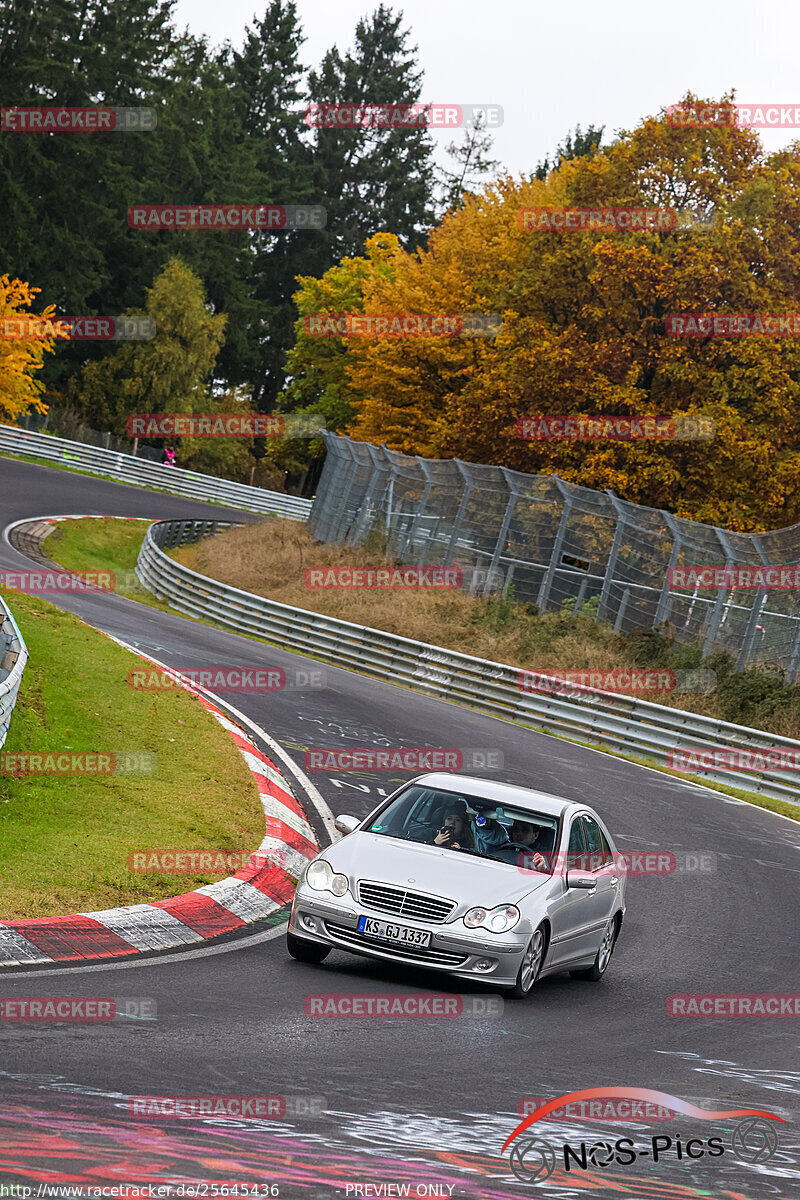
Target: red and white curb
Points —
{"points": [[251, 894]]}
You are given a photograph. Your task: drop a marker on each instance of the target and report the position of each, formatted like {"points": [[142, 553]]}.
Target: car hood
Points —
{"points": [[465, 878]]}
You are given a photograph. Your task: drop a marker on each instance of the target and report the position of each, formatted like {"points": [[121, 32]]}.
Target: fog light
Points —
{"points": [[308, 923], [485, 964]]}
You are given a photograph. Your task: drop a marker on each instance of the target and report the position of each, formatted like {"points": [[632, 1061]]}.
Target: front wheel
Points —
{"points": [[306, 952], [530, 966], [598, 968]]}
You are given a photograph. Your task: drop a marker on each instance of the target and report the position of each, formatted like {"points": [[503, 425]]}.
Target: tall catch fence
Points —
{"points": [[561, 546]]}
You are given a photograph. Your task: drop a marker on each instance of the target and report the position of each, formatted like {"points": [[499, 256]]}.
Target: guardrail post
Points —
{"points": [[558, 545], [611, 565], [626, 595], [503, 534]]}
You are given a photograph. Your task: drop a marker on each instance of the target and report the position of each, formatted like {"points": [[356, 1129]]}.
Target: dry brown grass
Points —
{"points": [[271, 558]]}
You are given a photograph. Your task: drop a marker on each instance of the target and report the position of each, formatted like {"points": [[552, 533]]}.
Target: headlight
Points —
{"points": [[474, 918], [321, 878], [498, 920]]}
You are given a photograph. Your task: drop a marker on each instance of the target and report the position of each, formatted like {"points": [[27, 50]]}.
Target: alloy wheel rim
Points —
{"points": [[531, 961], [605, 947]]}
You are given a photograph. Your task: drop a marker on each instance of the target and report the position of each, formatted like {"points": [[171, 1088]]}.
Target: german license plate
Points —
{"points": [[399, 934]]}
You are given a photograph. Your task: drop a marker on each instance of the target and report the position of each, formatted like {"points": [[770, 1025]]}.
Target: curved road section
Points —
{"points": [[295, 1105]]}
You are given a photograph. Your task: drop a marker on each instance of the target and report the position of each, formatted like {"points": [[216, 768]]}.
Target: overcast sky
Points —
{"points": [[552, 65]]}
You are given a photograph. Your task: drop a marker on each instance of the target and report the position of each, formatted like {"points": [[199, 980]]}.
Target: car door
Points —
{"points": [[602, 900], [572, 913]]}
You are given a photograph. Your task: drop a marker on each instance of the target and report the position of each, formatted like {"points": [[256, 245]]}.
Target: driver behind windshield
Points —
{"points": [[538, 841], [454, 832]]}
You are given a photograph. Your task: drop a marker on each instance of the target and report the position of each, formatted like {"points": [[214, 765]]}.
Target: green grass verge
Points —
{"points": [[82, 545], [99, 544], [65, 840]]}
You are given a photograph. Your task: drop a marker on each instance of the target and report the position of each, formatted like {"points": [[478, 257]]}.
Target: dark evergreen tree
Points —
{"points": [[579, 145], [372, 179]]}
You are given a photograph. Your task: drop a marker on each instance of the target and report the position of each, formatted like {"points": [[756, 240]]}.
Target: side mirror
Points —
{"points": [[581, 879], [346, 824]]}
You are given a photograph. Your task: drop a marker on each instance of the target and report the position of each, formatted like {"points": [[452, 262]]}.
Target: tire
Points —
{"points": [[597, 970], [306, 952], [530, 966]]}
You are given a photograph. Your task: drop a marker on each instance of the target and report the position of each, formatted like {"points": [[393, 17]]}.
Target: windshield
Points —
{"points": [[470, 824]]}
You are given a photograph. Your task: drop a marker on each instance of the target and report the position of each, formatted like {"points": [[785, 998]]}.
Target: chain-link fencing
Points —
{"points": [[561, 546]]}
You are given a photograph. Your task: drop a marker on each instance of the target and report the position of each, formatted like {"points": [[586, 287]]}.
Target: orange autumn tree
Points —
{"points": [[21, 355], [584, 328]]}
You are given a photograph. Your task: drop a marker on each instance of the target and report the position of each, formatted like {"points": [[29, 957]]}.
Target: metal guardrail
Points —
{"points": [[612, 721], [13, 657], [127, 468]]}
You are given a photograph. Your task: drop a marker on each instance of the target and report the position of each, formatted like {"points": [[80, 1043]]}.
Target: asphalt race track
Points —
{"points": [[421, 1102]]}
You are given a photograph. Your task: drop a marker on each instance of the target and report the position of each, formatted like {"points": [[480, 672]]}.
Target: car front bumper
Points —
{"points": [[326, 920]]}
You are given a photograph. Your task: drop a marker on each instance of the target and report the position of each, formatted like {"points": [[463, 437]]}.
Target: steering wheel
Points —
{"points": [[414, 828]]}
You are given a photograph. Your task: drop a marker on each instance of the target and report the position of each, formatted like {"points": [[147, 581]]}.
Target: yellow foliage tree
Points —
{"points": [[584, 328], [21, 354]]}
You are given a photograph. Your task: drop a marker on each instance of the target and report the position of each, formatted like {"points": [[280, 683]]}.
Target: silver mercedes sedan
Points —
{"points": [[479, 879]]}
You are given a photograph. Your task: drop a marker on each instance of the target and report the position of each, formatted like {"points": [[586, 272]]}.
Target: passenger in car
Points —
{"points": [[490, 836], [455, 832]]}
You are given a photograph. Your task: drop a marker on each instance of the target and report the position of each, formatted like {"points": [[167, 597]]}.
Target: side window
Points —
{"points": [[598, 848], [576, 850]]}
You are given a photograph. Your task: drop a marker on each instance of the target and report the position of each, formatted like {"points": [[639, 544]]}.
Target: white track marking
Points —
{"points": [[323, 811]]}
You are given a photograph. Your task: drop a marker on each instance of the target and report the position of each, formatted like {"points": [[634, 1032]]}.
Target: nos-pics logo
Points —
{"points": [[754, 1139]]}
